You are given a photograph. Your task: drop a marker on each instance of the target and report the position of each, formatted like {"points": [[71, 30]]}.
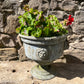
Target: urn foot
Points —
{"points": [[43, 72]]}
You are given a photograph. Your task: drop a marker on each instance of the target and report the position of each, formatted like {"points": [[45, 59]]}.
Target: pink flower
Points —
{"points": [[58, 31]]}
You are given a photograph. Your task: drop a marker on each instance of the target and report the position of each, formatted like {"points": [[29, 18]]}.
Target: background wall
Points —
{"points": [[10, 46]]}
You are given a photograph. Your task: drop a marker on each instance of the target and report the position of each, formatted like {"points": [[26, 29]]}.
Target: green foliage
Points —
{"points": [[33, 23]]}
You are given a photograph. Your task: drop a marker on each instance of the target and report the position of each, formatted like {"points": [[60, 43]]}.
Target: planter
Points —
{"points": [[44, 51]]}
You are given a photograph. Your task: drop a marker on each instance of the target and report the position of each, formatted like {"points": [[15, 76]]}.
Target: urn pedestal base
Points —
{"points": [[43, 72]]}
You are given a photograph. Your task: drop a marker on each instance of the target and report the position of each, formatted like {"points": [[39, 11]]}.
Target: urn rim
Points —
{"points": [[43, 38]]}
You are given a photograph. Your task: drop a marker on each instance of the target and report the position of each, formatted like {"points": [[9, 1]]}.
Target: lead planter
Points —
{"points": [[44, 51]]}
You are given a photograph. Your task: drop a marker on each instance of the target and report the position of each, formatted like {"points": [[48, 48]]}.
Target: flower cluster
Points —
{"points": [[34, 23]]}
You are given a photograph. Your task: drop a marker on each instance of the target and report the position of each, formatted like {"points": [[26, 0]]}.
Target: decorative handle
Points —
{"points": [[42, 53]]}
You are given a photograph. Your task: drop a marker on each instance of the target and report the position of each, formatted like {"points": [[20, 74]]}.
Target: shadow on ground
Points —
{"points": [[72, 59], [73, 67], [68, 71]]}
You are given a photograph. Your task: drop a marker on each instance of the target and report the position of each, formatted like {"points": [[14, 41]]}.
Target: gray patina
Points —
{"points": [[44, 51]]}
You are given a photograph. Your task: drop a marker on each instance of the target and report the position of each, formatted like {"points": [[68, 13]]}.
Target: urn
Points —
{"points": [[44, 51]]}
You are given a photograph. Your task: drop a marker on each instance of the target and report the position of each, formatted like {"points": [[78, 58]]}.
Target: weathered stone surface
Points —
{"points": [[1, 0], [68, 5], [79, 45], [59, 0], [59, 14], [74, 38], [8, 11], [79, 17], [20, 11], [75, 53], [79, 28], [1, 22], [79, 22], [0, 4], [34, 4], [7, 40], [18, 40], [9, 3], [82, 3], [82, 8], [71, 59], [53, 4], [12, 23], [82, 39], [1, 44], [14, 74], [35, 82], [11, 6], [6, 4], [8, 54], [19, 73], [44, 7], [21, 54]]}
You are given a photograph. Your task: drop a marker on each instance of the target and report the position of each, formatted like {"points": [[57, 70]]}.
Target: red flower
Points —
{"points": [[70, 20]]}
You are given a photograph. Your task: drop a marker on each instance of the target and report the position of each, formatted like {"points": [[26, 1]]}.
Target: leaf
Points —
{"points": [[31, 11], [46, 31], [22, 32], [40, 15], [25, 15], [22, 21], [23, 29], [30, 16], [26, 7], [37, 33], [20, 16], [32, 22], [36, 12], [18, 30], [55, 28], [29, 29]]}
